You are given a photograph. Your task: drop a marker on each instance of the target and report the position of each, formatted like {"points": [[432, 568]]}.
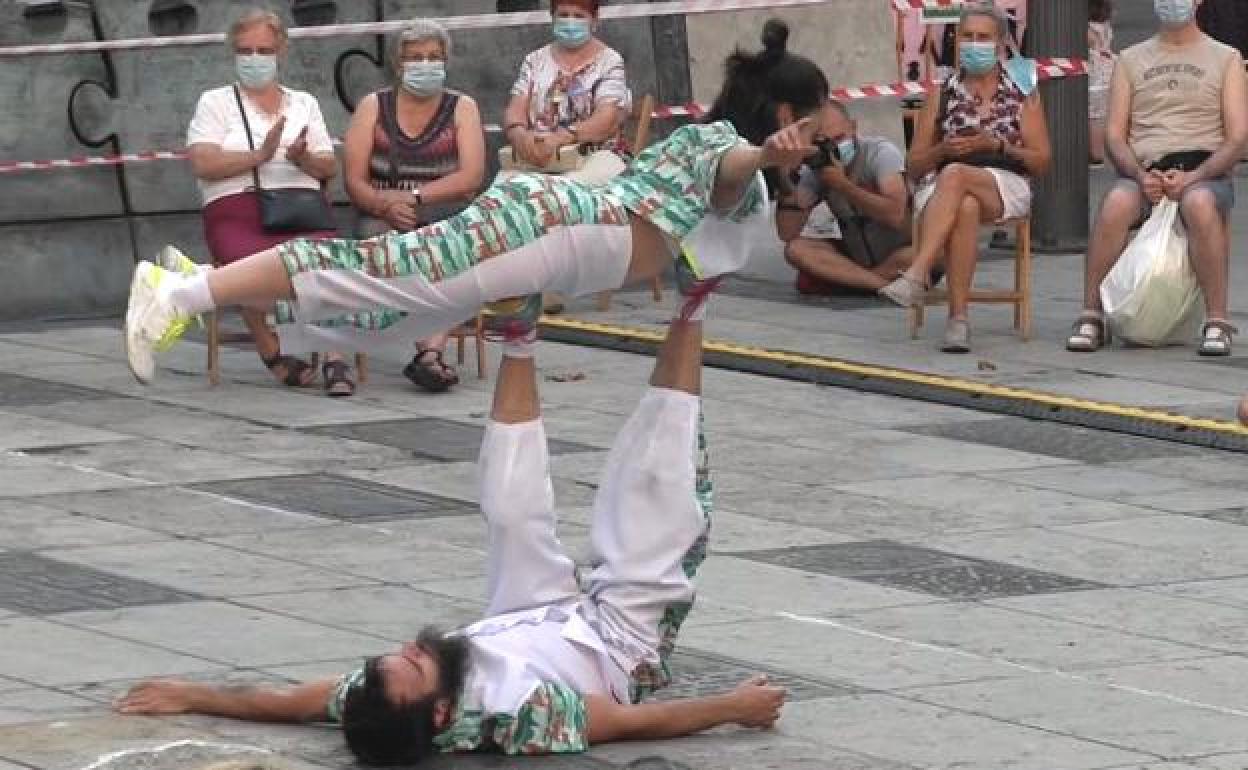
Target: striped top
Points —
{"points": [[401, 162]]}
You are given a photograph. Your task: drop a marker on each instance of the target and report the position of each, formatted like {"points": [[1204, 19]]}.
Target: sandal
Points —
{"points": [[1088, 334], [337, 377], [1216, 338], [433, 374], [299, 373]]}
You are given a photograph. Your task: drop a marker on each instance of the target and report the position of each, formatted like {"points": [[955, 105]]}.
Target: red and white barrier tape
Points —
{"points": [[918, 5], [470, 21], [1048, 69]]}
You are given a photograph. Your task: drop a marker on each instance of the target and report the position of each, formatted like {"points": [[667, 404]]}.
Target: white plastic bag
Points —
{"points": [[1152, 290]]}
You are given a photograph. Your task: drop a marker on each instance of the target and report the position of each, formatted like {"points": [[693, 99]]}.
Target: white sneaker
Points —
{"points": [[152, 323]]}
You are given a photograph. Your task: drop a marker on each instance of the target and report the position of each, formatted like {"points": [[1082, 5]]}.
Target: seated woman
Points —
{"points": [[288, 146], [976, 148], [412, 154], [571, 92], [694, 198]]}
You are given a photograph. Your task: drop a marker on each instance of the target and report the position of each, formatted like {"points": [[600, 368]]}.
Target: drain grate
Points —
{"points": [[696, 673], [36, 585], [344, 499], [431, 437], [1068, 442], [922, 570]]}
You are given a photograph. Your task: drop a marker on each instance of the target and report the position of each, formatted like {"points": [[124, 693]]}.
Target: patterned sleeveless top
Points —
{"points": [[400, 162], [962, 110]]}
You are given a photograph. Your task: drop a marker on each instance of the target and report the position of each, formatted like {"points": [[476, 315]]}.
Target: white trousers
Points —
{"points": [[646, 517], [574, 260]]}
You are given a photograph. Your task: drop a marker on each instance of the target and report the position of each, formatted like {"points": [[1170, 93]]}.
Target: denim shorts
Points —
{"points": [[1222, 187]]}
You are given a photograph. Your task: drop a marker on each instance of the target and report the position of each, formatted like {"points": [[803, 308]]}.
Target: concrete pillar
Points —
{"points": [[1060, 211]]}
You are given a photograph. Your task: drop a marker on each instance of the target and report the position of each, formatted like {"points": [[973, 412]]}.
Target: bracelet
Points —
{"points": [[783, 206]]}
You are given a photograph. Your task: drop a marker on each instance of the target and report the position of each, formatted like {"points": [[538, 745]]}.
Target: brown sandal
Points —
{"points": [[336, 375], [296, 370]]}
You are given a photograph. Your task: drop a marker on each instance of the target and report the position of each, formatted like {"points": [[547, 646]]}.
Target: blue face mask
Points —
{"points": [[977, 58], [572, 33], [847, 149], [256, 70], [424, 78], [1175, 11]]}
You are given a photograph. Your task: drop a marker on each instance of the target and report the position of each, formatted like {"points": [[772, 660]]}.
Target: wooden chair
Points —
{"points": [[1019, 296], [643, 114], [475, 330], [213, 322]]}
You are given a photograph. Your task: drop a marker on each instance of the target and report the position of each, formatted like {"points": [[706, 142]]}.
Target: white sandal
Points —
{"points": [[1088, 334]]}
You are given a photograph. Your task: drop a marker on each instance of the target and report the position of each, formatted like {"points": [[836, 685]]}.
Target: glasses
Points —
{"points": [[262, 51], [425, 58]]}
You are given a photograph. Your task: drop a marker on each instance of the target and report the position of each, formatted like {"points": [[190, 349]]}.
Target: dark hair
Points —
{"points": [[382, 734], [592, 6], [755, 85], [1100, 10]]}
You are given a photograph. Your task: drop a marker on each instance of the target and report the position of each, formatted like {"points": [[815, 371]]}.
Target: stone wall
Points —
{"points": [[69, 238]]}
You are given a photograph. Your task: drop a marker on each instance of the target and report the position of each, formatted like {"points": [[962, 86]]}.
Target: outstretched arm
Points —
{"points": [[298, 703], [784, 150], [754, 703]]}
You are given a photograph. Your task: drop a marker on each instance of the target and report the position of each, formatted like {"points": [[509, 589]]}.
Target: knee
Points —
{"points": [[795, 252], [1120, 208], [953, 176], [1199, 208], [969, 210]]}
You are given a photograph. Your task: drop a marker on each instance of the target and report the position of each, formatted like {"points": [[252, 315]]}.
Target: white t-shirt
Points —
{"points": [[513, 654], [217, 121]]}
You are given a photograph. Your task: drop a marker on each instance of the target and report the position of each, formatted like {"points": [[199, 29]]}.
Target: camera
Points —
{"points": [[826, 153]]}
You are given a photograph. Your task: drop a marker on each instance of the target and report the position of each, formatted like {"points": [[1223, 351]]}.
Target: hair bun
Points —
{"points": [[775, 38]]}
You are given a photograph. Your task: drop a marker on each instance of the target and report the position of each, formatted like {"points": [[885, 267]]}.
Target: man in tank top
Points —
{"points": [[1178, 122]]}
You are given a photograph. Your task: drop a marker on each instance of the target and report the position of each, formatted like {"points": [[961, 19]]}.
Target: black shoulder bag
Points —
{"points": [[287, 209]]}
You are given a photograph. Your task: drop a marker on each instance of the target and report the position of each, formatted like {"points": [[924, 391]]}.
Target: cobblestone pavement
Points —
{"points": [[937, 587]]}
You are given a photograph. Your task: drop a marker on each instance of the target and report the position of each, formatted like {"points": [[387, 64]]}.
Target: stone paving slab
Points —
{"points": [[44, 653], [34, 526], [306, 585], [877, 724], [209, 569], [1095, 712], [227, 634], [36, 585], [195, 514]]}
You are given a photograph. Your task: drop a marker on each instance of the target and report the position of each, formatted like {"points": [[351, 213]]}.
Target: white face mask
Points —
{"points": [[256, 69], [424, 78], [1175, 12]]}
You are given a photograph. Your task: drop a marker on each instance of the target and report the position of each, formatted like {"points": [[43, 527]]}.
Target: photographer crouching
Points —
{"points": [[846, 222]]}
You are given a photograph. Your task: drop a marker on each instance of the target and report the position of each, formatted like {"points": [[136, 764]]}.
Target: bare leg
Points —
{"points": [[940, 215], [1119, 211], [679, 365], [822, 260], [257, 280], [1206, 233], [515, 395], [895, 264], [963, 254]]}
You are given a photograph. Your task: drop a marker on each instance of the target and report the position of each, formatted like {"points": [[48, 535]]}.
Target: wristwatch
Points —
{"points": [[416, 194]]}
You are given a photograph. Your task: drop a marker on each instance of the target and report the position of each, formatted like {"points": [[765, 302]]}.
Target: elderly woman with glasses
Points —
{"points": [[258, 130], [415, 154]]}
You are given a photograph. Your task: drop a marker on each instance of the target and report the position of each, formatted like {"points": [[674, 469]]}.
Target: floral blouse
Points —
{"points": [[558, 99], [962, 110]]}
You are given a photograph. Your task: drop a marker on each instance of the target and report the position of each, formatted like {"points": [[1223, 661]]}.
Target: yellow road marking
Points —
{"points": [[943, 382]]}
